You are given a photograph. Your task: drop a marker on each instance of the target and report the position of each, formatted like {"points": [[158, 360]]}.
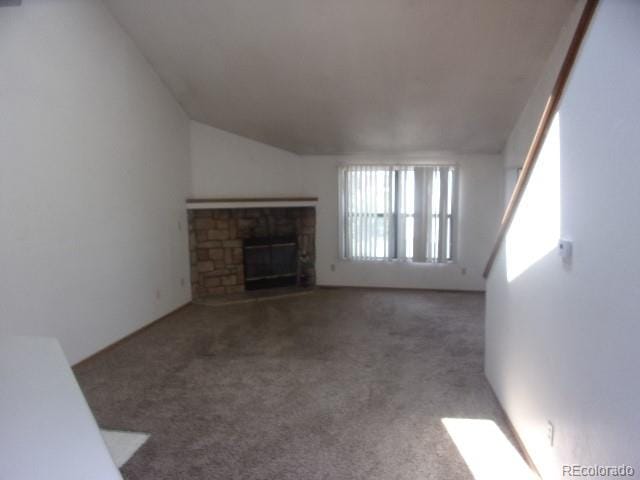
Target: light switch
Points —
{"points": [[565, 250]]}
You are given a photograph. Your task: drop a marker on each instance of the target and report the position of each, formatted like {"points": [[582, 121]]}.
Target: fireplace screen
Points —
{"points": [[270, 262]]}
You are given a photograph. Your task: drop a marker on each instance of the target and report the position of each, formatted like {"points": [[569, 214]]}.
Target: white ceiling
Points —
{"points": [[346, 76]]}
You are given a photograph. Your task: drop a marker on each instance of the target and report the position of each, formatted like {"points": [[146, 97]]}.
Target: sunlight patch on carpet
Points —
{"points": [[486, 450]]}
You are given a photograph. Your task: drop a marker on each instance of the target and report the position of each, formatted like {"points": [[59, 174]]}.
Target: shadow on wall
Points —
{"points": [[535, 230]]}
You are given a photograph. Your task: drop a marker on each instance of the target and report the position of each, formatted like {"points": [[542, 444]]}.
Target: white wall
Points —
{"points": [[93, 176], [480, 204], [562, 342], [228, 165]]}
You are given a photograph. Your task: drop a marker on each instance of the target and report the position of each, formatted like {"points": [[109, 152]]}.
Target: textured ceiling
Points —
{"points": [[346, 76]]}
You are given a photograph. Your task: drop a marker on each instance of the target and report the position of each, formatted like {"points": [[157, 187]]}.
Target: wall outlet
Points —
{"points": [[333, 267], [550, 433]]}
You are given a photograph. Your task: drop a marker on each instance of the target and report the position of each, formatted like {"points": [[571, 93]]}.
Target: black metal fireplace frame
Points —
{"points": [[272, 275]]}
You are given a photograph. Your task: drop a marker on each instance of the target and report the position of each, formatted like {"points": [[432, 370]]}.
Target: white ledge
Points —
{"points": [[48, 430], [226, 203]]}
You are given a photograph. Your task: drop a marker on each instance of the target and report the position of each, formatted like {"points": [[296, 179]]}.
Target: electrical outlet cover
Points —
{"points": [[550, 433]]}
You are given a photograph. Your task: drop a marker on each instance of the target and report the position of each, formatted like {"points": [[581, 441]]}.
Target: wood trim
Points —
{"points": [[543, 127], [407, 289], [248, 200], [126, 338], [516, 436]]}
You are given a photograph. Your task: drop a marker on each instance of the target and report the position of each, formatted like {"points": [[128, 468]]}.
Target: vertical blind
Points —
{"points": [[397, 212]]}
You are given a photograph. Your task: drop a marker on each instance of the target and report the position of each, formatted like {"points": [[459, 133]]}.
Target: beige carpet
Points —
{"points": [[341, 384]]}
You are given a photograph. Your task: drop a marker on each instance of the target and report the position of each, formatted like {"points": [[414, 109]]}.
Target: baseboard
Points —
{"points": [[361, 287], [521, 447], [129, 336]]}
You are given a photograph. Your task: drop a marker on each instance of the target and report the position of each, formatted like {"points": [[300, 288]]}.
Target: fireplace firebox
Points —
{"points": [[270, 262]]}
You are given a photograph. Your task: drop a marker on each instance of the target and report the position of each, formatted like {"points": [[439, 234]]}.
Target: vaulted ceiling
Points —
{"points": [[346, 76]]}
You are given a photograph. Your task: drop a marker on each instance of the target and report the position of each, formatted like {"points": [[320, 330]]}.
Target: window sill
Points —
{"points": [[397, 262]]}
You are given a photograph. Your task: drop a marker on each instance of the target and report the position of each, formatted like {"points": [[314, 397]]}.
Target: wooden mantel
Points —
{"points": [[259, 202]]}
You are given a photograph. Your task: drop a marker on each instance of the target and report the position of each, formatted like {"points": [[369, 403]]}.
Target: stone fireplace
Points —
{"points": [[235, 249]]}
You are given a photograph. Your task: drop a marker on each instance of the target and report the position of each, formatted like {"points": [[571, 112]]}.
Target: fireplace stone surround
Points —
{"points": [[216, 239]]}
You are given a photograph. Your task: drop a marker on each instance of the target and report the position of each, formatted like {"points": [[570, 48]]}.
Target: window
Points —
{"points": [[397, 212]]}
